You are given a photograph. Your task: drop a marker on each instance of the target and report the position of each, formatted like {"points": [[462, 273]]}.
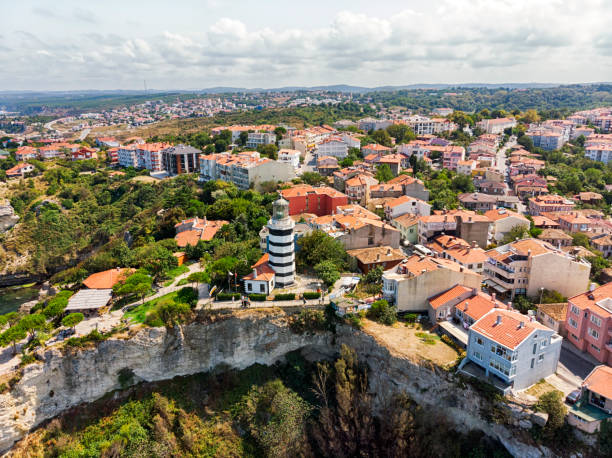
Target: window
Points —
{"points": [[477, 355], [573, 323], [593, 333], [262, 288], [535, 348], [532, 362], [249, 287], [575, 310], [540, 358], [543, 343], [479, 341], [370, 240], [596, 320], [596, 348]]}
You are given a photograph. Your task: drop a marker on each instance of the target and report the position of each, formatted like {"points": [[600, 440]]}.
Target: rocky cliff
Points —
{"points": [[72, 376]]}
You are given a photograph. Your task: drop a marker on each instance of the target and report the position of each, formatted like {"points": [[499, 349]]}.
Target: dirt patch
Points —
{"points": [[403, 341]]}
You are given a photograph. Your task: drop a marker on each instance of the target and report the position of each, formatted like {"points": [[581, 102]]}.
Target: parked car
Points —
{"points": [[573, 397]]}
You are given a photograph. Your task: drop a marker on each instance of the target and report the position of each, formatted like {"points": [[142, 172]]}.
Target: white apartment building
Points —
{"points": [[368, 124], [333, 146], [244, 169], [260, 138], [496, 126], [289, 156], [421, 125]]}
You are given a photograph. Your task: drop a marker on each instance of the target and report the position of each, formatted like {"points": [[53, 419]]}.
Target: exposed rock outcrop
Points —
{"points": [[67, 379]]}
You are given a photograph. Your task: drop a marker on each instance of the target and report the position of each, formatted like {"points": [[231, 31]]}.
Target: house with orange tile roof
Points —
{"points": [[19, 170], [549, 203], [463, 253], [595, 403], [261, 278], [192, 230], [375, 150], [503, 221], [553, 316], [589, 320], [410, 284], [463, 305], [574, 222], [511, 348], [406, 204], [358, 187], [526, 267], [465, 224], [383, 256], [24, 153], [107, 279], [327, 165]]}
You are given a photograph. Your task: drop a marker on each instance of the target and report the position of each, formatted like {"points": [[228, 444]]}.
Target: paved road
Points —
{"points": [[575, 363], [500, 159], [206, 303], [84, 134]]}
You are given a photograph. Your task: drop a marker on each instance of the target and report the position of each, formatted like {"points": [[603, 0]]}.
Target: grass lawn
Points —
{"points": [[138, 314], [540, 388], [175, 272], [427, 338]]}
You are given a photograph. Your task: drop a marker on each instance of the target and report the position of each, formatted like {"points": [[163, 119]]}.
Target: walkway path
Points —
{"points": [[219, 305]]}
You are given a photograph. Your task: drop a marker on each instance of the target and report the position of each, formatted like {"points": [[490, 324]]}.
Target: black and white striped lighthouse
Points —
{"points": [[281, 249]]}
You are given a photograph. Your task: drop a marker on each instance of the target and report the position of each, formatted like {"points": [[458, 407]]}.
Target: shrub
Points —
{"points": [[327, 271], [125, 377], [382, 312], [552, 404], [311, 295], [411, 318], [284, 297], [187, 296], [309, 321], [227, 296], [354, 320], [172, 313], [428, 339], [27, 358], [93, 336], [257, 297]]}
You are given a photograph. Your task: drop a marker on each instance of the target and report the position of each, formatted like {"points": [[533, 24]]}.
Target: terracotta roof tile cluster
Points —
{"points": [[262, 271], [600, 381], [191, 231], [557, 311], [377, 254], [507, 328], [107, 279]]}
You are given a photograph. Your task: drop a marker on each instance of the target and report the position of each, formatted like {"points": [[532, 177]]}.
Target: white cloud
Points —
{"points": [[456, 41]]}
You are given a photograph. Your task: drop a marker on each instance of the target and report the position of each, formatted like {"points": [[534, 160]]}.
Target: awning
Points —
{"points": [[495, 286]]}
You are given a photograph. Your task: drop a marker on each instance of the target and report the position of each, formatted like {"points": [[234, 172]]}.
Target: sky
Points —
{"points": [[195, 44]]}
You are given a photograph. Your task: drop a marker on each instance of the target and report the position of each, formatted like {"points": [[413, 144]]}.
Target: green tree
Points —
{"points": [[270, 151], [604, 438], [71, 320], [198, 277], [172, 313], [12, 335], [383, 173], [462, 183], [317, 247], [401, 133], [522, 304], [242, 139], [313, 178], [138, 284], [327, 271], [552, 404], [382, 137], [520, 231], [277, 418], [32, 323], [580, 239], [382, 312]]}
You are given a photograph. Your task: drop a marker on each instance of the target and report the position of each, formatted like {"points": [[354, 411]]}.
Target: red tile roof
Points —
{"points": [[448, 295], [508, 332], [107, 279], [600, 381]]}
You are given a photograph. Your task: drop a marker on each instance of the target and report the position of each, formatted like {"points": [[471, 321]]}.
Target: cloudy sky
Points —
{"points": [[192, 44]]}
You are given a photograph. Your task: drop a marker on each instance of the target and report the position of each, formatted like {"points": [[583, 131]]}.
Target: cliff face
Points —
{"points": [[65, 380]]}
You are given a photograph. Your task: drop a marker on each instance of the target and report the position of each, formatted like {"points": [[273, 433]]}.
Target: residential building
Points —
{"points": [[256, 139], [553, 316], [375, 149], [466, 167], [529, 186], [290, 156], [496, 126], [357, 188], [108, 278], [410, 284], [191, 231], [496, 188], [368, 124], [406, 204], [51, 152], [327, 165], [603, 244], [84, 154], [517, 351], [529, 265], [24, 153], [181, 159], [556, 237], [382, 256], [467, 255], [451, 156], [320, 201], [478, 202], [465, 224], [589, 321], [503, 221], [411, 186], [20, 170], [333, 146], [461, 304], [244, 169], [408, 225], [595, 404], [574, 222], [357, 232], [549, 203], [547, 138]]}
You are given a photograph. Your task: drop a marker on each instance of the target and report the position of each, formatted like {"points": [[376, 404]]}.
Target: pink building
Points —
{"points": [[451, 157], [589, 322]]}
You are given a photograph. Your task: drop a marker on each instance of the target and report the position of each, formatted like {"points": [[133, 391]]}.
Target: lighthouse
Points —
{"points": [[281, 246]]}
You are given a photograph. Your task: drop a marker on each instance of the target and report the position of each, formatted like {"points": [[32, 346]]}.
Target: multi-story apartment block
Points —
{"points": [[406, 204], [478, 202], [420, 125], [256, 139], [465, 224], [333, 146], [527, 266], [510, 346], [357, 188], [411, 284], [496, 126], [244, 169], [547, 138], [368, 124], [290, 156], [589, 322], [574, 222], [411, 186], [320, 201], [599, 148], [549, 203], [356, 232], [24, 153], [451, 156], [462, 304], [181, 159]]}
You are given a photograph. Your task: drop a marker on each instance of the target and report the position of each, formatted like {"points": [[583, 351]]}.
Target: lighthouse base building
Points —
{"points": [[276, 268]]}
